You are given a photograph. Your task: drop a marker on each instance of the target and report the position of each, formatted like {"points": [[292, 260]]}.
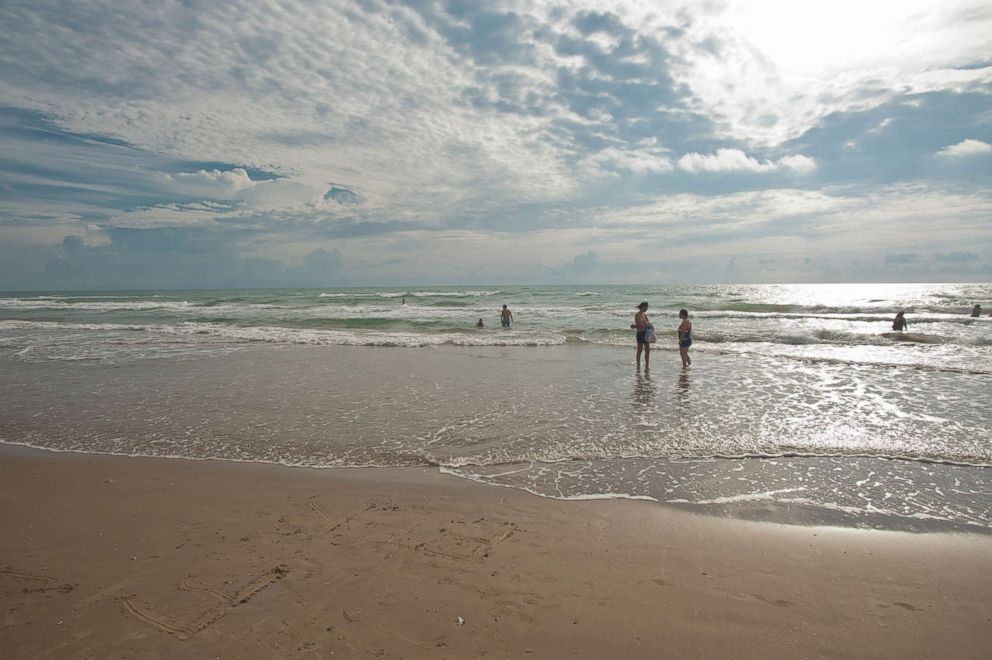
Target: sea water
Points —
{"points": [[801, 402]]}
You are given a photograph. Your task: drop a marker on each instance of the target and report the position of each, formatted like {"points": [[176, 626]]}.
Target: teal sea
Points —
{"points": [[801, 398]]}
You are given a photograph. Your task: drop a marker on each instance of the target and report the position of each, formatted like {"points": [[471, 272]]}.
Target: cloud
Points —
{"points": [[797, 163], [903, 258], [432, 140], [635, 161], [342, 195], [957, 257], [898, 219], [237, 186], [735, 160], [848, 148], [178, 257], [781, 61], [210, 184], [966, 148]]}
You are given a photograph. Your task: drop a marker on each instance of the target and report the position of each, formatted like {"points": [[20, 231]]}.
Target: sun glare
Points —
{"points": [[804, 38]]}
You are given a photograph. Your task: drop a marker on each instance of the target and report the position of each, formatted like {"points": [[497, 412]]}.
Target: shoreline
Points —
{"points": [[111, 556], [744, 507]]}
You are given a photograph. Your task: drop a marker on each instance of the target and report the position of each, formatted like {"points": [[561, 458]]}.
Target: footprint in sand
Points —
{"points": [[776, 603], [905, 606]]}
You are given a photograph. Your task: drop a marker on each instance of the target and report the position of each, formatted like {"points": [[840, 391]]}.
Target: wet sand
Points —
{"points": [[565, 421], [114, 557]]}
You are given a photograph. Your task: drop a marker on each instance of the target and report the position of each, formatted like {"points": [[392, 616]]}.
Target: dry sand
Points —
{"points": [[112, 557]]}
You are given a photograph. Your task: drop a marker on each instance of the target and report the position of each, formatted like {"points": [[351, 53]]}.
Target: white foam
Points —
{"points": [[747, 497], [575, 498], [90, 297], [100, 306], [874, 510], [452, 294], [191, 331], [59, 325], [180, 308]]}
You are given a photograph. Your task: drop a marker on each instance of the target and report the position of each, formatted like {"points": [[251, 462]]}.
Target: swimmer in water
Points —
{"points": [[505, 317], [899, 322]]}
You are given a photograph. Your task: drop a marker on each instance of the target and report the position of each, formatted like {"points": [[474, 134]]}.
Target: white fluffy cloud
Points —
{"points": [[210, 184], [638, 161], [735, 160], [966, 148], [236, 185]]}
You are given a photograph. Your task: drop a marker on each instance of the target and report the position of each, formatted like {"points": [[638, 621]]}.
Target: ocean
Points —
{"points": [[802, 405]]}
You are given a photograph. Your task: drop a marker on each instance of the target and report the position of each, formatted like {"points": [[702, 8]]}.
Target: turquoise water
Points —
{"points": [[798, 397]]}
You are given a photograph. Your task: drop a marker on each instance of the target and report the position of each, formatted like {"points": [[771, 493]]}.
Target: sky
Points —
{"points": [[257, 143]]}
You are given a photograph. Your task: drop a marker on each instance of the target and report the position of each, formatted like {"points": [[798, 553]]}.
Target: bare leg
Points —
{"points": [[647, 355], [684, 352]]}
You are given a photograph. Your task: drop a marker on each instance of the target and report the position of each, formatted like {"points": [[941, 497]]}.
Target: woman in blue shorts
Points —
{"points": [[640, 327]]}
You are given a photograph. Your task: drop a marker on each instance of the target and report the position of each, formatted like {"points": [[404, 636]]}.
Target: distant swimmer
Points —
{"points": [[403, 302], [506, 317], [685, 337], [899, 322], [640, 326], [480, 324], [976, 311]]}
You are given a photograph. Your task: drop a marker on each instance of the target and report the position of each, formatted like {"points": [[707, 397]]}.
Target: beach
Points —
{"points": [[107, 556], [447, 329], [340, 473]]}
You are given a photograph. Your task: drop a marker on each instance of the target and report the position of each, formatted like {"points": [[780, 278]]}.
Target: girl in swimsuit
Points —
{"points": [[640, 326], [685, 337]]}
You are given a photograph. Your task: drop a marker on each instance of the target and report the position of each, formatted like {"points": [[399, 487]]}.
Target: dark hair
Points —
{"points": [[684, 313]]}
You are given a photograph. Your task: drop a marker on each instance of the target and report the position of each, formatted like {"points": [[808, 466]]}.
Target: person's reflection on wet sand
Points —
{"points": [[643, 390], [682, 386]]}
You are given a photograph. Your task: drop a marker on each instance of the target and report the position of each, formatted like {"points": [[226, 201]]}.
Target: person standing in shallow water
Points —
{"points": [[506, 317], [899, 322], [640, 327], [976, 311], [685, 337]]}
